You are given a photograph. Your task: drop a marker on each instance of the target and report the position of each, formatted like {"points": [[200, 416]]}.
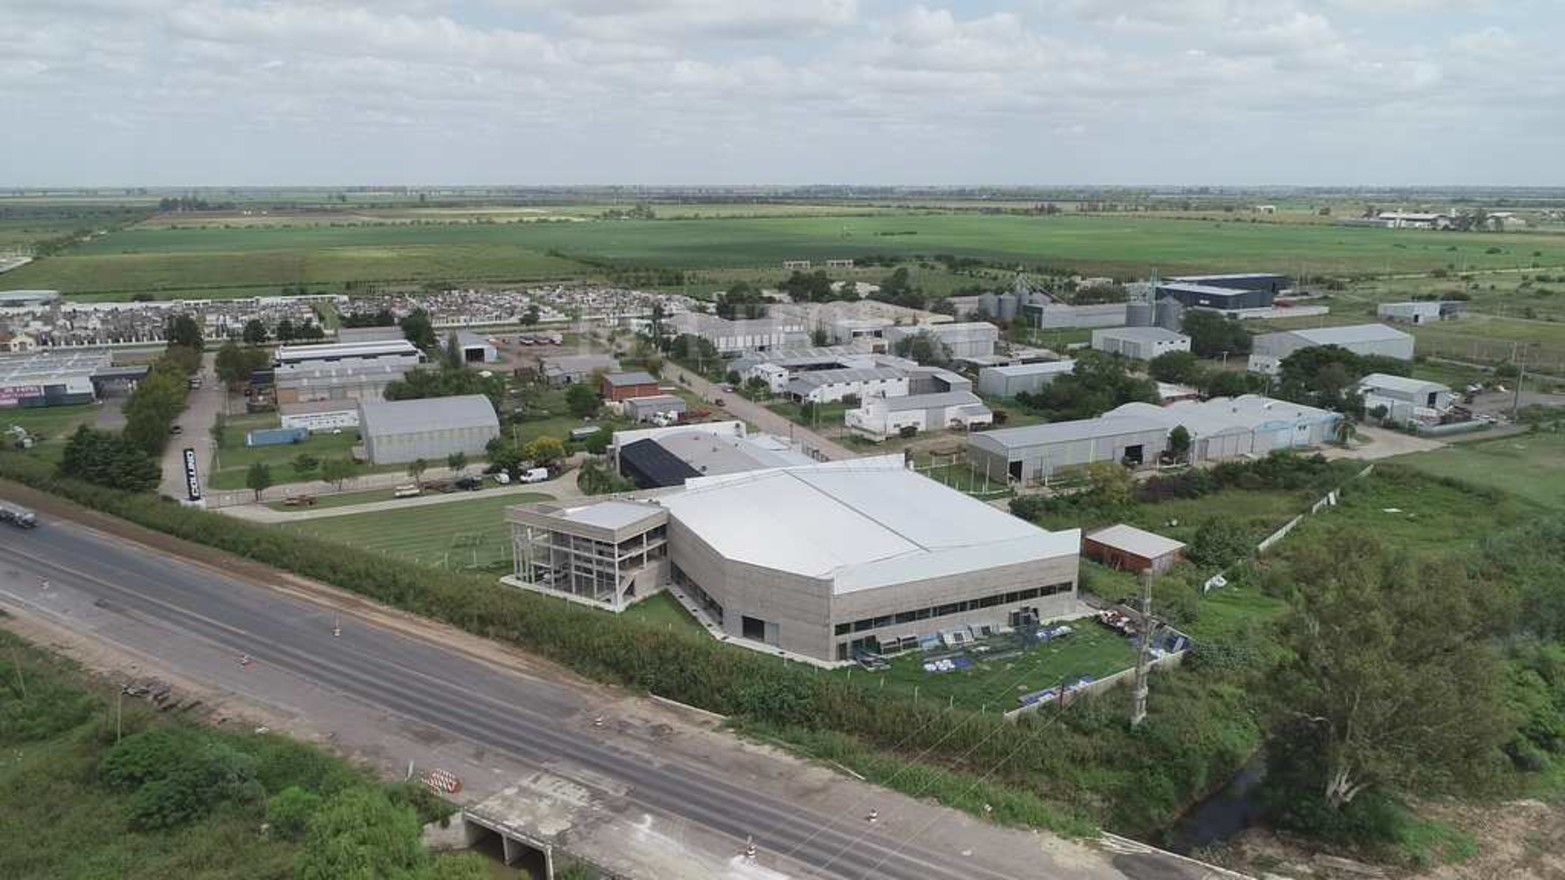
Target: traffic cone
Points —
{"points": [[336, 627], [244, 660], [749, 847]]}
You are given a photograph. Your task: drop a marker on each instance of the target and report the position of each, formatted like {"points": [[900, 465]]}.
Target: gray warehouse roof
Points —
{"points": [[1145, 544], [427, 414], [1142, 334], [1064, 432], [941, 399], [1044, 368], [1350, 334], [621, 380], [861, 524], [1400, 383]]}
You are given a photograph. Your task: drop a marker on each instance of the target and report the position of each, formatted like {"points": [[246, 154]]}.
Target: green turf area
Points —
{"points": [[1529, 466], [470, 533], [827, 417], [234, 457], [1092, 652], [52, 424], [665, 611], [1424, 517], [150, 258]]}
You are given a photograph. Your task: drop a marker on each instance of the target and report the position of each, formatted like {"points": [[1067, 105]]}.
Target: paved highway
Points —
{"points": [[535, 720]]}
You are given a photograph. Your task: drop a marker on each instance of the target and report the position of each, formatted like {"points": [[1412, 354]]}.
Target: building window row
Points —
{"points": [[953, 608]]}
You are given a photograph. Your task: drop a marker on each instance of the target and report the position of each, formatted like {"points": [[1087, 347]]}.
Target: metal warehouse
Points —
{"points": [[432, 428], [822, 561], [1036, 452], [1008, 381], [969, 339], [1139, 343], [1137, 433], [381, 351], [1364, 339], [51, 378]]}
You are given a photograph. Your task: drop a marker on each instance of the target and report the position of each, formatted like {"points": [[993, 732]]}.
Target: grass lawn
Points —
{"points": [[234, 457], [461, 534], [1530, 466], [828, 416], [1091, 652], [51, 424], [1421, 516], [665, 611]]}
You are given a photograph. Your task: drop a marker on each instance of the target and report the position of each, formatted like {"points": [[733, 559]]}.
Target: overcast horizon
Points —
{"points": [[1236, 93]]}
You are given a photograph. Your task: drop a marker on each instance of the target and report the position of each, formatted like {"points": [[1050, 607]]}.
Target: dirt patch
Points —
{"points": [[1516, 840]]}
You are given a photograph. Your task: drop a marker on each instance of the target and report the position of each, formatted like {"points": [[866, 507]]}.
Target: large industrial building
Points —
{"points": [[384, 351], [823, 561], [1139, 343], [1009, 381], [1426, 311], [571, 369], [1137, 434], [830, 386], [655, 458], [882, 417], [967, 339], [51, 378], [397, 431], [732, 337], [1364, 339], [1405, 400]]}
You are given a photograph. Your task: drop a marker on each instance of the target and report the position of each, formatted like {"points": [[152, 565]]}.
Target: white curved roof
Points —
{"points": [[861, 523]]}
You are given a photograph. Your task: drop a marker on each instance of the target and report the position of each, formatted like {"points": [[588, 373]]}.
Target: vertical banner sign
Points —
{"points": [[192, 482]]}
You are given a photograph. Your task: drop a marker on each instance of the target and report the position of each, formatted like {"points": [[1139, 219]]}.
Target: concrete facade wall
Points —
{"points": [[998, 383], [801, 613]]}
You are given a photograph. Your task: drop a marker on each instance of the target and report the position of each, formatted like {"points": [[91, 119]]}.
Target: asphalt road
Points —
{"points": [[532, 719]]}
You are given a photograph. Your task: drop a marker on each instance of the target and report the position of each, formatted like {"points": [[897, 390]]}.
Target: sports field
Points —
{"points": [[470, 533], [148, 258]]}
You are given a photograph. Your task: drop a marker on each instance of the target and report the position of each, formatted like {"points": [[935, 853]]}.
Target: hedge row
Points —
{"points": [[1086, 761]]}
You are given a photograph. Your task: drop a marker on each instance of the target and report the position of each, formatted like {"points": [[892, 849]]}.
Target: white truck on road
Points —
{"points": [[17, 515]]}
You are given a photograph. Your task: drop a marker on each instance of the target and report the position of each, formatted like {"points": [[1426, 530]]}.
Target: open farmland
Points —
{"points": [[152, 259], [470, 533]]}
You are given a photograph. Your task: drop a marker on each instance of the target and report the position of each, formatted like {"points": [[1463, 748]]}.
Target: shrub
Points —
{"points": [[289, 811]]}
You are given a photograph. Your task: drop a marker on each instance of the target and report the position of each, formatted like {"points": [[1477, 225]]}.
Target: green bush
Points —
{"points": [[289, 811]]}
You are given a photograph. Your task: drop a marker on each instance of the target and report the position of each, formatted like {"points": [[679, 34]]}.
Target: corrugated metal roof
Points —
{"points": [[1388, 382], [652, 466], [833, 377], [861, 524], [940, 399], [620, 380], [1044, 368], [339, 350], [378, 418], [1350, 334], [1063, 432], [1145, 544], [1139, 334]]}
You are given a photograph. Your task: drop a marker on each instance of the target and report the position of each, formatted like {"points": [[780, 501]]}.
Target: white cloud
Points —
{"points": [[593, 90]]}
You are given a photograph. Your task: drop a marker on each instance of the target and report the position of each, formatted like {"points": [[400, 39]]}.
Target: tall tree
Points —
{"points": [[583, 401], [109, 459], [305, 465], [258, 478], [452, 355], [183, 330], [337, 471], [457, 462], [1392, 683], [1212, 333], [419, 330], [255, 332], [416, 469]]}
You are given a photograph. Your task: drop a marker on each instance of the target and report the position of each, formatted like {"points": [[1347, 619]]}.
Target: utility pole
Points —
{"points": [[1138, 706], [1521, 376]]}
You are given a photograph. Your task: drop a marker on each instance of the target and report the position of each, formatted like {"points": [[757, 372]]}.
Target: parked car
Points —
{"points": [[470, 483], [407, 491], [534, 475]]}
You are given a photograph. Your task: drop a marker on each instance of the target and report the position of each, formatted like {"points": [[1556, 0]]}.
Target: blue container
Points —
{"points": [[277, 437]]}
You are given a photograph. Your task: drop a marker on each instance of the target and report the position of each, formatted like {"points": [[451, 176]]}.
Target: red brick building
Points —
{"points": [[1131, 549], [624, 386]]}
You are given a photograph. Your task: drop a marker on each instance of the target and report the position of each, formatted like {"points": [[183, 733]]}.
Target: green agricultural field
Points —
{"points": [[1529, 466], [470, 533], [1091, 652], [149, 259]]}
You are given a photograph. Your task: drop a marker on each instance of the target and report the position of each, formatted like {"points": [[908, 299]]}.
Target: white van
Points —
{"points": [[535, 475]]}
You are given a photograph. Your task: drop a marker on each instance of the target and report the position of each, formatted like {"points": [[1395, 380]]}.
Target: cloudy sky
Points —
{"points": [[324, 92]]}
